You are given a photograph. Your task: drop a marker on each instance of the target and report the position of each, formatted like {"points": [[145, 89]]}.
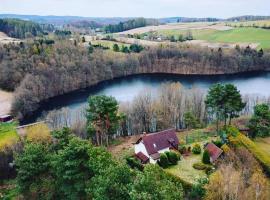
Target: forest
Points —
{"points": [[23, 29], [130, 24], [37, 71]]}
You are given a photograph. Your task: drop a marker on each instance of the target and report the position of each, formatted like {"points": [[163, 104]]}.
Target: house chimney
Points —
{"points": [[144, 134]]}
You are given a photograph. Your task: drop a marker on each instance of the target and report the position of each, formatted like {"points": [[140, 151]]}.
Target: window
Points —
{"points": [[155, 145]]}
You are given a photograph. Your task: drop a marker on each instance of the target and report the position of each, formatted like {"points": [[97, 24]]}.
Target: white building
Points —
{"points": [[150, 146]]}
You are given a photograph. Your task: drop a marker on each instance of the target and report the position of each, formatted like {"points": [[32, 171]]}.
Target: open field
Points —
{"points": [[178, 26], [256, 38], [8, 135], [6, 39], [185, 170], [5, 102]]}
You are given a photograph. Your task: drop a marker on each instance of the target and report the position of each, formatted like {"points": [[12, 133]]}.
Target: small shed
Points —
{"points": [[214, 152]]}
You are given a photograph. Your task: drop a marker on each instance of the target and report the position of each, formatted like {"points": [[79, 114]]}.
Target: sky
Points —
{"points": [[137, 8]]}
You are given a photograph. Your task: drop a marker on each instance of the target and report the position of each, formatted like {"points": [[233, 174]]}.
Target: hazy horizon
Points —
{"points": [[137, 8]]}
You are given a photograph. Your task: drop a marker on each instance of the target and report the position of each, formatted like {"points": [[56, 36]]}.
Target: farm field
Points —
{"points": [[185, 170], [8, 135], [178, 26], [235, 36]]}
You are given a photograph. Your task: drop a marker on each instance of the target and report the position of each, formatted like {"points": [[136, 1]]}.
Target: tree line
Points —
{"points": [[23, 29], [38, 71], [130, 24]]}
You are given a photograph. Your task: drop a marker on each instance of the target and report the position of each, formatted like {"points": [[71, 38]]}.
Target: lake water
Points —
{"points": [[125, 89]]}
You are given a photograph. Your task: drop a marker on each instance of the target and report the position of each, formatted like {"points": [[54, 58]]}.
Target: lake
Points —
{"points": [[125, 89]]}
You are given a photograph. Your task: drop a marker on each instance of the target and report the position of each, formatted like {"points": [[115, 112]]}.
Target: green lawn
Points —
{"points": [[185, 171], [237, 35], [8, 135]]}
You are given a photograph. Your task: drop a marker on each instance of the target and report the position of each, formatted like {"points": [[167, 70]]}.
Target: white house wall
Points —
{"points": [[141, 148]]}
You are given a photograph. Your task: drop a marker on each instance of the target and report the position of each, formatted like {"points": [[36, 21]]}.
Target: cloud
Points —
{"points": [[135, 8]]}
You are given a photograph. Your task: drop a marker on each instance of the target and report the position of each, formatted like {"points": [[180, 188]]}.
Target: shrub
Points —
{"points": [[134, 163], [232, 130], [196, 149], [206, 157], [225, 148], [199, 166], [182, 149], [163, 161], [218, 143], [172, 157]]}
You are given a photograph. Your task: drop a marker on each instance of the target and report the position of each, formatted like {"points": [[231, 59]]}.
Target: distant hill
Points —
{"points": [[63, 20], [187, 19]]}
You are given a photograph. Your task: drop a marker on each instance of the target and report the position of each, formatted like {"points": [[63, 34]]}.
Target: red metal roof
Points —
{"points": [[142, 157], [214, 151], [161, 140]]}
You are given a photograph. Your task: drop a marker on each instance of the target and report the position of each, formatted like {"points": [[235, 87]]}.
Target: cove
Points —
{"points": [[126, 88]]}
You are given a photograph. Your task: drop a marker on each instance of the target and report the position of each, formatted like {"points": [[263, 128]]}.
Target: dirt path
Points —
{"points": [[125, 143], [5, 102]]}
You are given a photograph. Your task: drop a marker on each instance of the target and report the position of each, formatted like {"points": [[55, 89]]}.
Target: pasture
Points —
{"points": [[246, 35]]}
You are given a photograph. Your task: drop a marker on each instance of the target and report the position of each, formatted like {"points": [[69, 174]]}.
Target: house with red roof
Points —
{"points": [[150, 146], [214, 152]]}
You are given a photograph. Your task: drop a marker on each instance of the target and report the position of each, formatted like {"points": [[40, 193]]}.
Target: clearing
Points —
{"points": [[5, 102], [6, 39]]}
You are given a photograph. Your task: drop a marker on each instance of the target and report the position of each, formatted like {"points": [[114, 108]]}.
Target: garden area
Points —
{"points": [[184, 169]]}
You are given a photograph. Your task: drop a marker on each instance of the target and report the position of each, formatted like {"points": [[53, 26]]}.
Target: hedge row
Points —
{"points": [[262, 156], [186, 185]]}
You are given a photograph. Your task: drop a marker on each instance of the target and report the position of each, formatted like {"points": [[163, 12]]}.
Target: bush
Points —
{"points": [[163, 161], [182, 149], [196, 149], [172, 157], [199, 166], [232, 130], [218, 143], [134, 163], [206, 157]]}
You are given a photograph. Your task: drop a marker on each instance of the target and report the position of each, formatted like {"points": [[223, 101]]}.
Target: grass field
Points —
{"points": [[237, 35], [8, 135], [185, 171]]}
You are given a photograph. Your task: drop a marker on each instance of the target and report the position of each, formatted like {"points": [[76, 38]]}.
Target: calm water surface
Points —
{"points": [[125, 89]]}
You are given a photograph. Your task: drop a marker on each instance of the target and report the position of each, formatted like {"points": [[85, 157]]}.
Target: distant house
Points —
{"points": [[150, 146], [214, 152]]}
